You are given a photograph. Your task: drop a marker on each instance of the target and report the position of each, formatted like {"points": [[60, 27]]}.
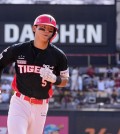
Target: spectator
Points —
{"points": [[86, 82], [5, 96], [115, 70], [117, 81], [6, 86], [80, 83], [74, 79], [90, 71], [109, 71], [109, 84], [101, 84]]}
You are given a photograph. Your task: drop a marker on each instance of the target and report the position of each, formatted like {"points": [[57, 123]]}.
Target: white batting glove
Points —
{"points": [[48, 75]]}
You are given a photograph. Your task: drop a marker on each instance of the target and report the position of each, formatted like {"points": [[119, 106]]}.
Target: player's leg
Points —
{"points": [[18, 116], [17, 125], [39, 113]]}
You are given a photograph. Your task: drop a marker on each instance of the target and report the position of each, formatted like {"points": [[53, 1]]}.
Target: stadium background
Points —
{"points": [[99, 48]]}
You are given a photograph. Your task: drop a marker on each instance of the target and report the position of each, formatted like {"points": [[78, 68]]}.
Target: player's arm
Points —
{"points": [[60, 80], [62, 72], [6, 57], [63, 82]]}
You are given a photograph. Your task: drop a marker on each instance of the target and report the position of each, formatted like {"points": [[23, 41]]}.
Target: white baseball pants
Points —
{"points": [[26, 118]]}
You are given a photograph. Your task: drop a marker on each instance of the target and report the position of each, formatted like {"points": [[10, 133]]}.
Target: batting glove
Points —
{"points": [[48, 75]]}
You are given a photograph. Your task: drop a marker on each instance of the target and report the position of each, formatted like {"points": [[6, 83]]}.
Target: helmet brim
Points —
{"points": [[47, 25]]}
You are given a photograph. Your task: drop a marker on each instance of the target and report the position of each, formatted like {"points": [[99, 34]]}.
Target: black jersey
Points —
{"points": [[28, 61]]}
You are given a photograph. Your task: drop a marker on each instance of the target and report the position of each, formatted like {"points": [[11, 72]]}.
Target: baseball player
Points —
{"points": [[38, 65]]}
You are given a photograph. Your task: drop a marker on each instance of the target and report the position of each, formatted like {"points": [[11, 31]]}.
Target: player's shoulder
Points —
{"points": [[20, 46], [57, 50], [23, 44], [16, 48]]}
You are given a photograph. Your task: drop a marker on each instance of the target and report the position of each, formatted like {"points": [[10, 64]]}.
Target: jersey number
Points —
{"points": [[44, 82]]}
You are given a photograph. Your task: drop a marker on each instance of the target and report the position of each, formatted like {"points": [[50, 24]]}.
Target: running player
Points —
{"points": [[38, 65]]}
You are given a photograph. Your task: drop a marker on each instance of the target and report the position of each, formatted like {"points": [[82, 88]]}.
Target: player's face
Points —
{"points": [[46, 28], [44, 32]]}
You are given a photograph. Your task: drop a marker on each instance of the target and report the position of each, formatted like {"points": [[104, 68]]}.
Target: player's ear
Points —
{"points": [[34, 28]]}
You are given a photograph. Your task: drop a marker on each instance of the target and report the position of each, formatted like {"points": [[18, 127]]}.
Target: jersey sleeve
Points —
{"points": [[6, 57], [62, 68]]}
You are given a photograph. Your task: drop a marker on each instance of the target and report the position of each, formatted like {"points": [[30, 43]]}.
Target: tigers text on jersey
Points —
{"points": [[28, 62]]}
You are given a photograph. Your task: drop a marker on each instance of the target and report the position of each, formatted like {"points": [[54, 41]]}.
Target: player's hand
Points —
{"points": [[48, 75]]}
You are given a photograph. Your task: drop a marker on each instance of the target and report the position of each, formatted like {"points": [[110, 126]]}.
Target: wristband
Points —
{"points": [[58, 80]]}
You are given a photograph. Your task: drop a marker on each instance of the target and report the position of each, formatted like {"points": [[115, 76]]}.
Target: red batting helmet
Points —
{"points": [[47, 19]]}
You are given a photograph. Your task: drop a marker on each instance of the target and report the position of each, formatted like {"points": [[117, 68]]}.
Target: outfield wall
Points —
{"points": [[80, 122]]}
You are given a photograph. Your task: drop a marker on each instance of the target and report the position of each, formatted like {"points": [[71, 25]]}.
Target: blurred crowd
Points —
{"points": [[5, 84], [87, 85]]}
